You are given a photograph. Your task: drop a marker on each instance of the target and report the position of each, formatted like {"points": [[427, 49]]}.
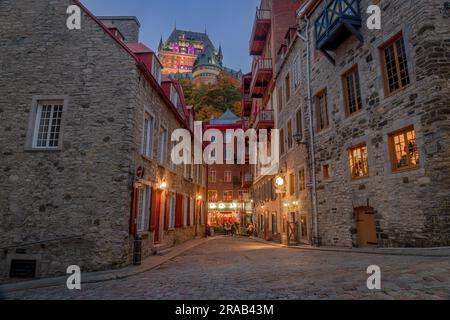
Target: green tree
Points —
{"points": [[212, 100]]}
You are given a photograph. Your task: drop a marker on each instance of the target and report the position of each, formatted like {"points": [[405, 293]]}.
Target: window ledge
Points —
{"points": [[43, 150], [406, 170], [392, 95]]}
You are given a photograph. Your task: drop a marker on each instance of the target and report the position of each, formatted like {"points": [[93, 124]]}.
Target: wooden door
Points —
{"points": [[365, 224]]}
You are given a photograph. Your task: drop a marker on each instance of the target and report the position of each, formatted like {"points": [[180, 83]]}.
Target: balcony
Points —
{"points": [[264, 120], [339, 20], [246, 105], [262, 74], [261, 29]]}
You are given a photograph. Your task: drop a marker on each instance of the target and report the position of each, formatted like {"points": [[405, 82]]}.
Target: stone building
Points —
{"points": [[295, 204], [272, 19], [192, 55], [85, 145], [379, 112]]}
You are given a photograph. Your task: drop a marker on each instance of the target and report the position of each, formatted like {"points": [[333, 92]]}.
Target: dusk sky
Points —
{"points": [[228, 22]]}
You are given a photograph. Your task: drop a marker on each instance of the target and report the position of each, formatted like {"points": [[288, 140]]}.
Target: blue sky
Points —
{"points": [[228, 22]]}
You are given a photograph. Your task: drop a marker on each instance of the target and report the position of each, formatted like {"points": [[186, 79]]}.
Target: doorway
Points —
{"points": [[366, 227], [304, 228]]}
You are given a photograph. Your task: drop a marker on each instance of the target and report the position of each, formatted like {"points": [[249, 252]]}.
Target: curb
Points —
{"points": [[380, 251], [102, 276]]}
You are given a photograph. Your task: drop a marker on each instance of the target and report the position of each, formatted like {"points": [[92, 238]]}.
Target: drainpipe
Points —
{"points": [[307, 40]]}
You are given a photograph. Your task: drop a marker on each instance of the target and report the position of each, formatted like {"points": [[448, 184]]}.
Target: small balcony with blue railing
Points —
{"points": [[339, 20]]}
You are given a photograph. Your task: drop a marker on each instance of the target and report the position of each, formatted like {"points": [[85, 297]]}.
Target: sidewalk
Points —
{"points": [[94, 277], [413, 252]]}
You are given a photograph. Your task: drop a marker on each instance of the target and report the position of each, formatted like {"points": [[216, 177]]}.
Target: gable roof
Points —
{"points": [[191, 35], [228, 117], [139, 64]]}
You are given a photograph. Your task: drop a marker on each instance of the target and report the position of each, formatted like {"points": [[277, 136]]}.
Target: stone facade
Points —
{"points": [[128, 26], [411, 207], [295, 203], [71, 205]]}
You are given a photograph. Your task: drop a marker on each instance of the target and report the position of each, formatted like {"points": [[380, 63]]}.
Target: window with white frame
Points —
{"points": [[149, 127], [212, 176], [173, 166], [143, 218], [162, 145], [47, 130], [227, 176], [172, 205]]}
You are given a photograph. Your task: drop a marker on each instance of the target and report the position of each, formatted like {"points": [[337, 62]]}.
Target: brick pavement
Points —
{"points": [[231, 268]]}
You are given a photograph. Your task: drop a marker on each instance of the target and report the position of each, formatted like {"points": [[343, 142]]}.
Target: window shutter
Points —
{"points": [[179, 211], [134, 208], [154, 209], [166, 212], [188, 211]]}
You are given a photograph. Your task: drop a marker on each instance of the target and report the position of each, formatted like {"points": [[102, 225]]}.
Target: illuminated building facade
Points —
{"points": [[229, 199], [187, 54]]}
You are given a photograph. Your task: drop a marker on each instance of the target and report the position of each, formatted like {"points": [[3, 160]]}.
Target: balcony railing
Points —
{"points": [[264, 117], [262, 72], [261, 29], [339, 19], [262, 14]]}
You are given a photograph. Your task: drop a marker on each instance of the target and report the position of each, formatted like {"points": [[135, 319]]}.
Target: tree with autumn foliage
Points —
{"points": [[211, 100]]}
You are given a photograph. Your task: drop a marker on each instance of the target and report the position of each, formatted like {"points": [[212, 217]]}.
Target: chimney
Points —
{"points": [[127, 26]]}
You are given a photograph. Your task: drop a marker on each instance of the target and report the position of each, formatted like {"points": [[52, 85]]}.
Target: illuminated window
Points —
{"points": [[213, 196], [359, 165], [326, 171], [404, 151], [290, 133], [301, 180], [322, 111], [228, 196], [291, 184], [352, 91], [395, 65]]}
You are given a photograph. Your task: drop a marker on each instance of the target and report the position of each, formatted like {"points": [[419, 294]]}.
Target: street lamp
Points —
{"points": [[279, 182], [163, 185]]}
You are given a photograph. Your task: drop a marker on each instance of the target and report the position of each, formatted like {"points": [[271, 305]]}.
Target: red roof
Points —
{"points": [[139, 48], [139, 64]]}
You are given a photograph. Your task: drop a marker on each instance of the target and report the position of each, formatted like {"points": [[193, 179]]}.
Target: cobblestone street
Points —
{"points": [[231, 268]]}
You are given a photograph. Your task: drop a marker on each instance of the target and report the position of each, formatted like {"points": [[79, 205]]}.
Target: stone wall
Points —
{"points": [[67, 193], [128, 27], [146, 100], [72, 206], [412, 208], [296, 157]]}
